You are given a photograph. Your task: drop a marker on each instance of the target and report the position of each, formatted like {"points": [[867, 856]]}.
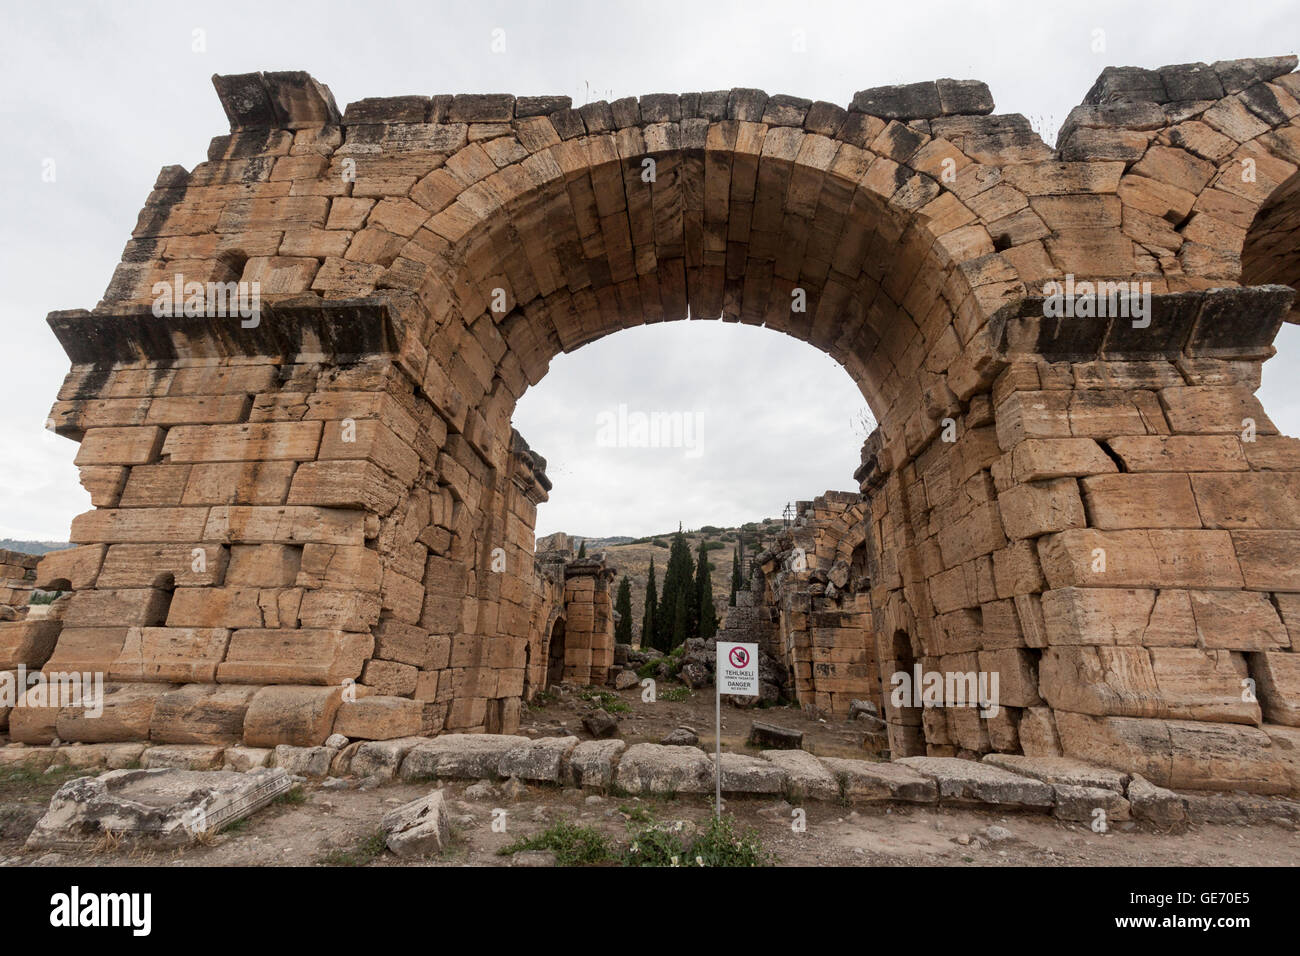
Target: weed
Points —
{"points": [[363, 854], [573, 845], [292, 797]]}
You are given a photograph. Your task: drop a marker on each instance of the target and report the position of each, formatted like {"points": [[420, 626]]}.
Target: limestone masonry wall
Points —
{"points": [[318, 518]]}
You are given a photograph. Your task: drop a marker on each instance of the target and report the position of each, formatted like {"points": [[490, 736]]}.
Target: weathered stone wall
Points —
{"points": [[422, 259], [589, 621], [809, 607]]}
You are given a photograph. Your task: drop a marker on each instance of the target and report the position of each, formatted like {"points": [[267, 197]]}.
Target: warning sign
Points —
{"points": [[737, 669]]}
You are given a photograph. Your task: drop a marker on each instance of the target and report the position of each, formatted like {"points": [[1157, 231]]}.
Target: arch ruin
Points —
{"points": [[1094, 507]]}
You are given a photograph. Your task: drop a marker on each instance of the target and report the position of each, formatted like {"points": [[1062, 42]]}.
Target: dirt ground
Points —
{"points": [[648, 722], [335, 823]]}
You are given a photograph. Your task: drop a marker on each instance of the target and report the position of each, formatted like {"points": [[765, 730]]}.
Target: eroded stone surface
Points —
{"points": [[165, 806]]}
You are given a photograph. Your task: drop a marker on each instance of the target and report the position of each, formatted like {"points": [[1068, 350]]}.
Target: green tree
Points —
{"points": [[678, 580], [651, 608], [582, 548], [706, 614], [681, 616], [623, 605]]}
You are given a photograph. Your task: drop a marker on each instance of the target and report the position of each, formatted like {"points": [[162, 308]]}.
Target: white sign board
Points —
{"points": [[737, 671]]}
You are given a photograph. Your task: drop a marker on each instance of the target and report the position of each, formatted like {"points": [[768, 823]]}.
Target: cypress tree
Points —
{"points": [[648, 617], [623, 605], [735, 576], [681, 617], [677, 581], [582, 548], [706, 613]]}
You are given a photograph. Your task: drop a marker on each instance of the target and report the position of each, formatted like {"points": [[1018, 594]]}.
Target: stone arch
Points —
{"points": [[1012, 444]]}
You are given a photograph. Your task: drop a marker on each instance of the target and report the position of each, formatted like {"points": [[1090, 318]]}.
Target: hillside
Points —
{"points": [[632, 557], [32, 547]]}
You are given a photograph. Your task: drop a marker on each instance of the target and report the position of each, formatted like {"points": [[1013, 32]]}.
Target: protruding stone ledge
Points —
{"points": [[1230, 323], [925, 100], [287, 100], [343, 330], [1184, 82]]}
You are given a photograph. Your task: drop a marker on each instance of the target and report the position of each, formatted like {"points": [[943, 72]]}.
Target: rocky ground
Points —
{"points": [[338, 827], [335, 822]]}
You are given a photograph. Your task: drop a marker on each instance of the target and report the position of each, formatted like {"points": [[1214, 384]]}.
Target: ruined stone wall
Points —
{"points": [[589, 621], [806, 608], [422, 259], [1110, 538]]}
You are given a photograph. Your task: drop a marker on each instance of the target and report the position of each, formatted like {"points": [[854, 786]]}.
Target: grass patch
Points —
{"points": [[675, 695], [573, 845], [363, 854], [292, 797], [238, 826], [611, 702], [543, 698]]}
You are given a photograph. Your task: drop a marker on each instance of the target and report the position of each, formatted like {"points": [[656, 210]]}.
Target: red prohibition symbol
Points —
{"points": [[739, 657]]}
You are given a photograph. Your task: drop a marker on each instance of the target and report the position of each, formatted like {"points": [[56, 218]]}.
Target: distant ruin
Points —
{"points": [[312, 514]]}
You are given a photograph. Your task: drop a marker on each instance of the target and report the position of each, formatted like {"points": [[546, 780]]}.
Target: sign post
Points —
{"points": [[736, 673]]}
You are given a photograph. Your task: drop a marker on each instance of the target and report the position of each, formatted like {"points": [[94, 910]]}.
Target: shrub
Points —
{"points": [[723, 844], [572, 845], [655, 845]]}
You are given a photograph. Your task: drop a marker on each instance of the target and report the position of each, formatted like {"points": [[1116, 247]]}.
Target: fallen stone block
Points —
{"points": [[807, 778], [382, 758], [870, 781], [542, 759], [183, 757], [304, 761], [1155, 804], [244, 759], [654, 768], [1061, 770], [419, 828], [459, 756], [167, 807], [1080, 804], [592, 762], [743, 773], [767, 735], [965, 782], [626, 679], [600, 723]]}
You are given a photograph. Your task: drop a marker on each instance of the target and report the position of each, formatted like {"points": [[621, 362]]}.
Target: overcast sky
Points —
{"points": [[111, 92]]}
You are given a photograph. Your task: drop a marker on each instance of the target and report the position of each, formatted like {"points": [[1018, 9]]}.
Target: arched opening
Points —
{"points": [[903, 710], [555, 654]]}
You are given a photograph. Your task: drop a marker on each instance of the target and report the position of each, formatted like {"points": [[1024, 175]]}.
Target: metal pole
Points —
{"points": [[717, 744]]}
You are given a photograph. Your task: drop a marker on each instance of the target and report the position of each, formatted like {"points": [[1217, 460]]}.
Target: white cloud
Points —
{"points": [[114, 91]]}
